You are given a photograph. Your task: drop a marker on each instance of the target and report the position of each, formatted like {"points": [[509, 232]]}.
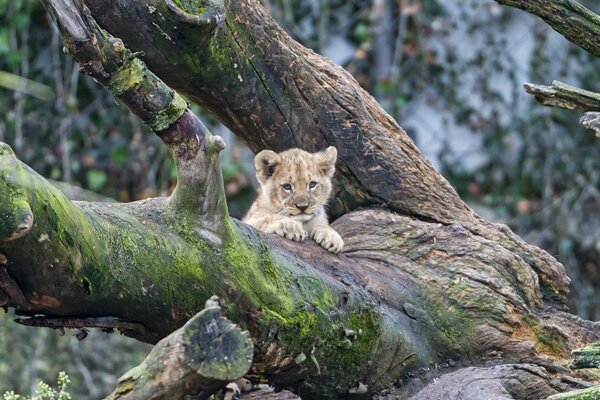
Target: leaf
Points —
{"points": [[96, 179]]}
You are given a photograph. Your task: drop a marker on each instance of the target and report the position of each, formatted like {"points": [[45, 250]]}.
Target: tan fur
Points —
{"points": [[277, 210]]}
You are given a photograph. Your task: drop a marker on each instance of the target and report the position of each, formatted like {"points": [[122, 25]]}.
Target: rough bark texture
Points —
{"points": [[565, 96], [502, 382], [274, 93], [587, 357], [196, 360], [591, 120], [570, 97], [424, 285]]}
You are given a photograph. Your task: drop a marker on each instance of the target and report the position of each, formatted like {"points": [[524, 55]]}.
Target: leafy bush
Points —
{"points": [[45, 392]]}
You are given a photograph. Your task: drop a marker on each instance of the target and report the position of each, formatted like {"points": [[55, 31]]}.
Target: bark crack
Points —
{"points": [[262, 82]]}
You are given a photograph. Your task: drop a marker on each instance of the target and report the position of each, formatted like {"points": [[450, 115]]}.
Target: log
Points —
{"points": [[423, 280], [196, 360], [500, 382]]}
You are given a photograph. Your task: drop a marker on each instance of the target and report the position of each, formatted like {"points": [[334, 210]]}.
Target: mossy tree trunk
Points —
{"points": [[424, 286]]}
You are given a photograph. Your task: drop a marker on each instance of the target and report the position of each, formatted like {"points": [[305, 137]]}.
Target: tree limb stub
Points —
{"points": [[196, 360], [570, 97], [575, 22], [199, 192], [591, 120], [566, 96], [587, 357]]}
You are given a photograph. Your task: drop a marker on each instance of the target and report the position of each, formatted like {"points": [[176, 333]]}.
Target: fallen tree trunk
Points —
{"points": [[424, 285]]}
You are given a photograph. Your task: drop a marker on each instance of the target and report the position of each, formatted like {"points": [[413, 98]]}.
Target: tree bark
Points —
{"points": [[591, 120], [424, 286], [565, 96], [196, 360], [570, 97]]}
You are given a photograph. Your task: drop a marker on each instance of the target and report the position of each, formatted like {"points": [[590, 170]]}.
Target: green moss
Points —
{"points": [[304, 311], [143, 258], [587, 357], [592, 393], [130, 74], [125, 386], [166, 117], [197, 7], [452, 325]]}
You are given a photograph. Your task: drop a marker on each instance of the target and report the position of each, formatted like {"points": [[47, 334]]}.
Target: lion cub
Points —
{"points": [[294, 187]]}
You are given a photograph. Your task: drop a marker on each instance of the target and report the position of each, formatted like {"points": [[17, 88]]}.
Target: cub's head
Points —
{"points": [[296, 182]]}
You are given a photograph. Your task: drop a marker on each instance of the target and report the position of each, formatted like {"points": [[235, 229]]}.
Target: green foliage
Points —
{"points": [[45, 392], [29, 355]]}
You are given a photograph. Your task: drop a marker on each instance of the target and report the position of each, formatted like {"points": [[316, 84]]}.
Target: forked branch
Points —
{"points": [[199, 191]]}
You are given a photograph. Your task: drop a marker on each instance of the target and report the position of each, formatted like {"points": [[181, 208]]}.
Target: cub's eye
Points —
{"points": [[286, 186], [312, 184]]}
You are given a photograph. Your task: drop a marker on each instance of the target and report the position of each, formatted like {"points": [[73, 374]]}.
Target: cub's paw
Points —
{"points": [[329, 239], [289, 229]]}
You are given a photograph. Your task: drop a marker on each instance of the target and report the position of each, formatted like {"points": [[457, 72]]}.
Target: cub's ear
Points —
{"points": [[266, 163], [326, 160]]}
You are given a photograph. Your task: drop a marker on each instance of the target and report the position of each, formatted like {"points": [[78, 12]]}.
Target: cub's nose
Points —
{"points": [[302, 207]]}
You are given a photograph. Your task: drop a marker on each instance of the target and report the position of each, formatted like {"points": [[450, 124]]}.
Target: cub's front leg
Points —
{"points": [[325, 235], [280, 225]]}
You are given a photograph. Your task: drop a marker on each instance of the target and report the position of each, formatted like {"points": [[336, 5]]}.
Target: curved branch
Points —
{"points": [[199, 192], [274, 93], [575, 22]]}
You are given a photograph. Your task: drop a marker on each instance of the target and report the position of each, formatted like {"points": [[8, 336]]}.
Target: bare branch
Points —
{"points": [[562, 95], [569, 97]]}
